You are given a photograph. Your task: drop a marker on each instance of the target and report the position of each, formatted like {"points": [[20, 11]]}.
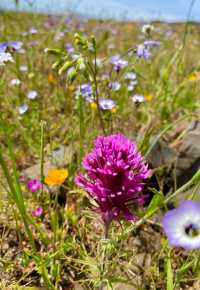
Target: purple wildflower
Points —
{"points": [[86, 89], [106, 104], [23, 109], [151, 43], [15, 45], [69, 48], [143, 52], [118, 63], [182, 225], [37, 212], [34, 185], [114, 86], [115, 176]]}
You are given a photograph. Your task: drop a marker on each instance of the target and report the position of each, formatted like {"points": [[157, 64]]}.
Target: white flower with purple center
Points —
{"points": [[5, 57], [106, 104], [182, 225], [114, 86], [138, 98], [23, 109], [32, 95]]}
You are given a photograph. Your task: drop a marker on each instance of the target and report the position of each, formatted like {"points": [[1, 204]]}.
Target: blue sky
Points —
{"points": [[171, 10]]}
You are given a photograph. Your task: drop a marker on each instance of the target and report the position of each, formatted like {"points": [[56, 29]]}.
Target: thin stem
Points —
{"points": [[96, 92], [42, 157]]}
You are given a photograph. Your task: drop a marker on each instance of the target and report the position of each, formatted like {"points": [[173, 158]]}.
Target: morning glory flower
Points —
{"points": [[142, 52], [32, 95], [5, 57], [23, 109], [115, 86], [138, 99], [106, 104], [182, 225]]}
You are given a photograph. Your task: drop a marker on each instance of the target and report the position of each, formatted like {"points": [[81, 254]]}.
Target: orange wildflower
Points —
{"points": [[51, 79], [56, 176]]}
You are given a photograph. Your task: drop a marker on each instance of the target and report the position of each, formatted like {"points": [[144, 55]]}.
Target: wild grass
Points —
{"points": [[66, 245]]}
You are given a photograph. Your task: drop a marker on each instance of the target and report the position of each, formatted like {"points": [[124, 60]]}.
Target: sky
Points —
{"points": [[170, 10]]}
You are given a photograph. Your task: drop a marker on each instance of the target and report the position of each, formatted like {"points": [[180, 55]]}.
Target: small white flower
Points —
{"points": [[98, 62], [147, 28], [132, 85], [33, 30], [138, 99], [22, 51], [130, 76], [23, 68], [5, 57], [23, 109], [32, 95], [15, 82]]}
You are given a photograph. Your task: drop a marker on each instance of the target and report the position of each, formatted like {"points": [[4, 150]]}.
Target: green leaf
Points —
{"points": [[156, 202]]}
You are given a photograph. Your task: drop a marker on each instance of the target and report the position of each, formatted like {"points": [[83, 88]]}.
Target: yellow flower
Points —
{"points": [[93, 105], [148, 98], [114, 110], [192, 78], [51, 79], [56, 176]]}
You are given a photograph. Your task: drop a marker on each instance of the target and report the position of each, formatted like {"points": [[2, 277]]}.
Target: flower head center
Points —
{"points": [[192, 230]]}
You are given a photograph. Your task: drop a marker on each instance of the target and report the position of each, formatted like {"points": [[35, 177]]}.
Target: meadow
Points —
{"points": [[99, 154]]}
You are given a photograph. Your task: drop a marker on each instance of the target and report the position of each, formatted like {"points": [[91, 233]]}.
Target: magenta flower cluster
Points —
{"points": [[115, 174]]}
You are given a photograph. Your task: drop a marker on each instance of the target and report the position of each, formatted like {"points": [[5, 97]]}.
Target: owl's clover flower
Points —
{"points": [[115, 174]]}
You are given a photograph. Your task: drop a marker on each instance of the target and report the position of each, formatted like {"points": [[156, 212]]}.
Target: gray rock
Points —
{"points": [[188, 161]]}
